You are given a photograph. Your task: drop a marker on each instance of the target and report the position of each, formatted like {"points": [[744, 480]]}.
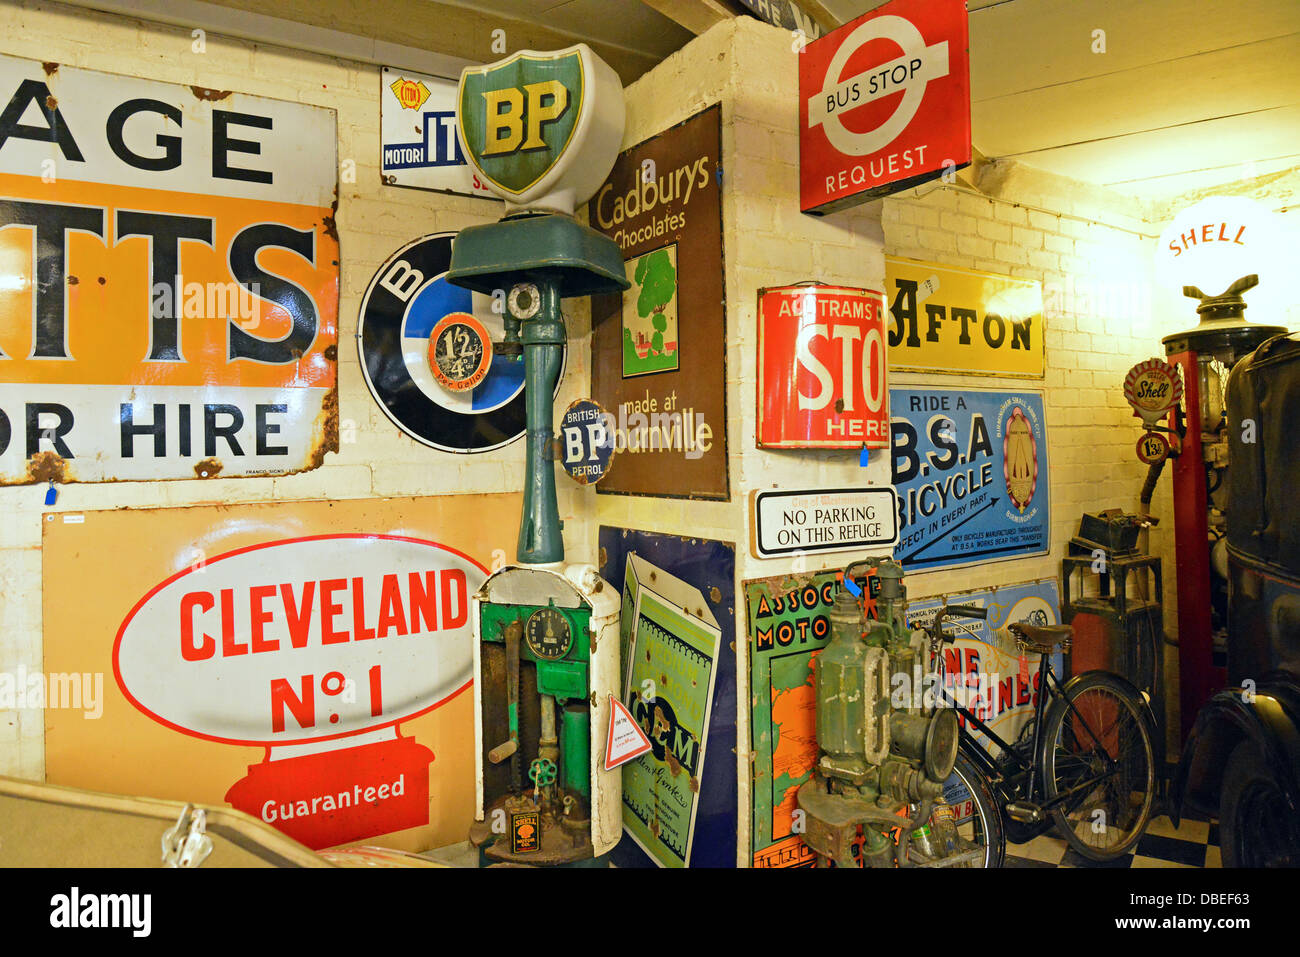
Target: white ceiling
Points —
{"points": [[623, 23]]}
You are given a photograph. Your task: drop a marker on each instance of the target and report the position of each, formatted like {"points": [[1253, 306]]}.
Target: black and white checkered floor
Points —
{"points": [[1192, 844]]}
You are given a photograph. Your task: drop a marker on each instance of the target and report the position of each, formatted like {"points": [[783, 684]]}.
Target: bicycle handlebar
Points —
{"points": [[969, 611]]}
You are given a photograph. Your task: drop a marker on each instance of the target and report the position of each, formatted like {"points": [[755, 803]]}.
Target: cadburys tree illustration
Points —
{"points": [[650, 325]]}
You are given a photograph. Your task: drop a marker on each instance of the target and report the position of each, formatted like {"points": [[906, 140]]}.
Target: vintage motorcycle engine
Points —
{"points": [[885, 748]]}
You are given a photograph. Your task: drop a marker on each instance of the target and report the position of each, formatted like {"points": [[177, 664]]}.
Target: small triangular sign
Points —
{"points": [[626, 739]]}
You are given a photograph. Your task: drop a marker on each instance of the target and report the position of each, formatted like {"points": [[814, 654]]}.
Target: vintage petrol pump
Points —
{"points": [[1205, 355], [543, 130]]}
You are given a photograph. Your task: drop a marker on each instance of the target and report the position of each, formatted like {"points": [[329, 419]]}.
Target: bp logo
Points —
{"points": [[426, 353], [518, 117]]}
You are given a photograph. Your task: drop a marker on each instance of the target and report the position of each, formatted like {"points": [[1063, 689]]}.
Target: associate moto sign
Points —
{"points": [[884, 103]]}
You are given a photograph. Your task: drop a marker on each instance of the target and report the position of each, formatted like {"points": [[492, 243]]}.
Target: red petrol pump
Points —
{"points": [[1204, 355]]}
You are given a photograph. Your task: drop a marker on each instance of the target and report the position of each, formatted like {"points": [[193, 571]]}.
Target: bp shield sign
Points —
{"points": [[542, 128]]}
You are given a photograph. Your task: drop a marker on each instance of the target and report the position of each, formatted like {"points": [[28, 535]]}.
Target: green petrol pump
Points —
{"points": [[543, 131]]}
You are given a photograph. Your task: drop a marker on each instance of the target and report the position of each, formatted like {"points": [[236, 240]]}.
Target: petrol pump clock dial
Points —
{"points": [[548, 634]]}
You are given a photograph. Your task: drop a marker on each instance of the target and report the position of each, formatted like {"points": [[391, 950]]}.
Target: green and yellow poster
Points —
{"points": [[672, 664]]}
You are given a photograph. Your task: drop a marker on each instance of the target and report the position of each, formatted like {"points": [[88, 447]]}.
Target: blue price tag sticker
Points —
{"points": [[51, 495], [864, 458]]}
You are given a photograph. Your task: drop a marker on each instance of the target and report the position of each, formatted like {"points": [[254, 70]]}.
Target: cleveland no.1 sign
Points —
{"points": [[821, 368], [884, 103]]}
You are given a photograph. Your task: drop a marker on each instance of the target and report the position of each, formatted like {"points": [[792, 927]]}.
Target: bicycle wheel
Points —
{"points": [[979, 821], [1101, 750]]}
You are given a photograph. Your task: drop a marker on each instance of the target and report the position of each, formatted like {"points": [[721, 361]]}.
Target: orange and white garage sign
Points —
{"points": [[168, 279]]}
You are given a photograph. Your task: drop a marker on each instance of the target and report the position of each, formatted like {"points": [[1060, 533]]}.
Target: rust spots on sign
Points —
{"points": [[715, 595], [204, 93], [328, 428], [51, 103], [47, 467], [50, 67], [330, 226], [73, 280], [603, 557], [331, 353], [102, 280], [208, 468], [695, 784], [674, 766]]}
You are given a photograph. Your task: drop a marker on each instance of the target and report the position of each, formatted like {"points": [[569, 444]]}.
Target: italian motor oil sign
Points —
{"points": [[884, 103], [970, 469], [168, 279]]}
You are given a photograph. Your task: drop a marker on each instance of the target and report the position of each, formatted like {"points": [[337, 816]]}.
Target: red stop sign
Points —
{"points": [[821, 375]]}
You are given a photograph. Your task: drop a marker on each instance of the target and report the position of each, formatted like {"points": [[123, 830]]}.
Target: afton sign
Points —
{"points": [[884, 103], [821, 368], [168, 280], [945, 319], [302, 662]]}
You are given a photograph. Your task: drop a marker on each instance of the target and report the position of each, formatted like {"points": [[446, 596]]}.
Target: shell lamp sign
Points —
{"points": [[884, 103], [364, 632], [542, 129]]}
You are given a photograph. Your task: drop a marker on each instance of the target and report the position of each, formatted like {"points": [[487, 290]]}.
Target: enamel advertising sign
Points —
{"points": [[302, 662], [884, 103], [943, 319], [169, 274], [659, 349], [418, 142], [821, 368], [970, 469]]}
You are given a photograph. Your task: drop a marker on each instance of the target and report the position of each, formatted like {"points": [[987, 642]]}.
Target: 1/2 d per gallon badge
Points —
{"points": [[169, 274], [970, 469]]}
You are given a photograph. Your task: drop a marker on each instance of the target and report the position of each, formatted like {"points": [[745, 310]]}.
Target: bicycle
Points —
{"points": [[1085, 764]]}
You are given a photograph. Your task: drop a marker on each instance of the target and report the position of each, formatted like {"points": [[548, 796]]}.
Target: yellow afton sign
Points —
{"points": [[944, 319]]}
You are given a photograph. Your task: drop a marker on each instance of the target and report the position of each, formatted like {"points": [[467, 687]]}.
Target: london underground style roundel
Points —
{"points": [[412, 320]]}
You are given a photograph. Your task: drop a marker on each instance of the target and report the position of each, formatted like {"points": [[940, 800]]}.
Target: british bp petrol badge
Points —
{"points": [[427, 357], [587, 441], [1153, 388], [525, 832], [1152, 448], [460, 351]]}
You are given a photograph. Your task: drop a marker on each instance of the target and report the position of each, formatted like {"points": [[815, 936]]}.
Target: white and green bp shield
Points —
{"points": [[542, 129]]}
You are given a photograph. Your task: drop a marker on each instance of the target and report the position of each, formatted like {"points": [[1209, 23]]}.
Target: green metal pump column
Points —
{"points": [[540, 540]]}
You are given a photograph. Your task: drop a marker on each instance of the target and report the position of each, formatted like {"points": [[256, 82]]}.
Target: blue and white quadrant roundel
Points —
{"points": [[405, 300]]}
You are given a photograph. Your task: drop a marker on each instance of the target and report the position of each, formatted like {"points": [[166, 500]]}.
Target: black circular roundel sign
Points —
{"points": [[403, 306]]}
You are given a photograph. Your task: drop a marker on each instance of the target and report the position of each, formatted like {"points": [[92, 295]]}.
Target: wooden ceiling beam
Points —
{"points": [[696, 15]]}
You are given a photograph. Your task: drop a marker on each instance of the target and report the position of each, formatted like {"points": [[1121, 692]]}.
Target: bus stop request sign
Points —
{"points": [[168, 280], [884, 104]]}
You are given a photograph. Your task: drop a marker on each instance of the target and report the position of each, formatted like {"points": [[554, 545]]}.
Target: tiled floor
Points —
{"points": [[1193, 844]]}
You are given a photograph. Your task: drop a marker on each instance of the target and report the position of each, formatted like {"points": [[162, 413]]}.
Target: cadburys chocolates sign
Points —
{"points": [[302, 662], [659, 349]]}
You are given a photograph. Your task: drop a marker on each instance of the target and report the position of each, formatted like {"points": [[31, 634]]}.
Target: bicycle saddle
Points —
{"points": [[1044, 639]]}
